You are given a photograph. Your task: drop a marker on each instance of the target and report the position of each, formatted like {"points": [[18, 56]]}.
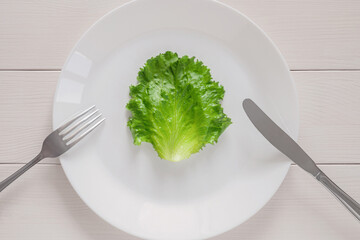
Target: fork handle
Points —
{"points": [[345, 199], [19, 172]]}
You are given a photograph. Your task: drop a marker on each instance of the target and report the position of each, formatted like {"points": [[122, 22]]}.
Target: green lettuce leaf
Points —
{"points": [[176, 106]]}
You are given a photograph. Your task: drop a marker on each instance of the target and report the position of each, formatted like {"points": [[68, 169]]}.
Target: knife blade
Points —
{"points": [[285, 144], [278, 138]]}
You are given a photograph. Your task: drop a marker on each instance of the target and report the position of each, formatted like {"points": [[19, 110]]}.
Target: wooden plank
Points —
{"points": [[320, 34], [329, 111], [40, 34], [330, 115], [303, 209], [42, 205], [26, 100]]}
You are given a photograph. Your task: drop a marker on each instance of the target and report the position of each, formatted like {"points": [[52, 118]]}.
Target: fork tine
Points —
{"points": [[76, 117], [67, 139], [85, 133], [79, 123]]}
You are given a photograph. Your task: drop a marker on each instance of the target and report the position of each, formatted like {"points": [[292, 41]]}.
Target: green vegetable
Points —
{"points": [[176, 106]]}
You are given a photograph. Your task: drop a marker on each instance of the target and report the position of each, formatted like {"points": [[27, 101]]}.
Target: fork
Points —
{"points": [[61, 140]]}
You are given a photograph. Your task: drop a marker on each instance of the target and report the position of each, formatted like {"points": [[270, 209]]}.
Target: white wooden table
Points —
{"points": [[320, 40]]}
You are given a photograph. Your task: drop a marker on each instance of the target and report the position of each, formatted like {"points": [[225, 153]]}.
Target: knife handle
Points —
{"points": [[346, 200]]}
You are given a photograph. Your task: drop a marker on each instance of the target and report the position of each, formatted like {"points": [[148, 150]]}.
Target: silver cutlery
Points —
{"points": [[61, 140], [285, 144]]}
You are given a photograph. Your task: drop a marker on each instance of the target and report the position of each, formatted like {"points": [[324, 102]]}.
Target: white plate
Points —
{"points": [[216, 189]]}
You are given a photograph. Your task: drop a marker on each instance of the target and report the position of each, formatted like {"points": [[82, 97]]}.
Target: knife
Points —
{"points": [[285, 144]]}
